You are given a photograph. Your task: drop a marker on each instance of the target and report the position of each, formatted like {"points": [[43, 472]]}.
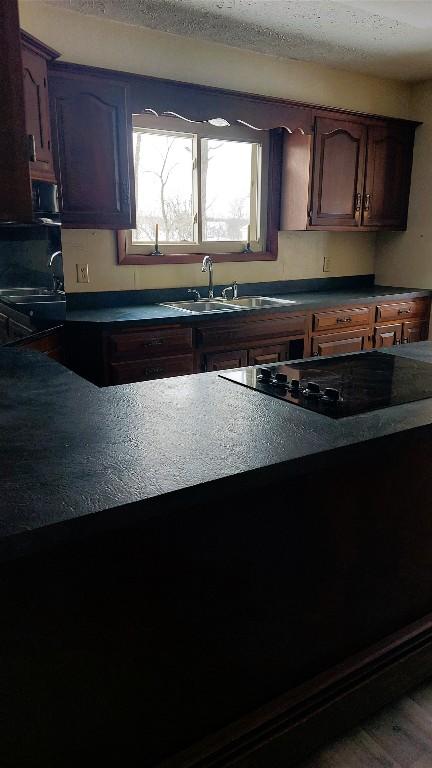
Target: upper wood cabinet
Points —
{"points": [[35, 56], [353, 174], [388, 176], [92, 140], [15, 192], [337, 173]]}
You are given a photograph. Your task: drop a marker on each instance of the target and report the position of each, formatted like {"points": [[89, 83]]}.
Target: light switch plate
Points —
{"points": [[326, 264], [83, 273]]}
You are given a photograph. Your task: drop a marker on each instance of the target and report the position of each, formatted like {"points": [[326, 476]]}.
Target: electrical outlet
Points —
{"points": [[326, 264], [83, 273]]}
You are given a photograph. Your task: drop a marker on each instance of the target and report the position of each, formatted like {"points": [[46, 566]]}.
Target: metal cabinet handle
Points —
{"points": [[358, 201], [152, 371], [344, 319], [367, 202], [152, 343], [404, 311], [32, 147]]}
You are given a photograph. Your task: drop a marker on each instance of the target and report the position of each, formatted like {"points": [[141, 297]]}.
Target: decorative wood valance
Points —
{"points": [[194, 103], [199, 103]]}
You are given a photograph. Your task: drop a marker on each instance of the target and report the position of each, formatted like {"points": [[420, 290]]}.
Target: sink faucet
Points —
{"points": [[57, 282], [208, 265], [193, 292], [233, 288]]}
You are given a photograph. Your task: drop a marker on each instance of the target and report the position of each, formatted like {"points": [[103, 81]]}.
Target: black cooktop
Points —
{"points": [[341, 386]]}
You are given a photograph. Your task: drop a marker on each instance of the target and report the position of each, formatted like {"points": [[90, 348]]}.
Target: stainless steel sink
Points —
{"points": [[258, 302], [202, 306], [222, 305], [46, 298], [14, 292]]}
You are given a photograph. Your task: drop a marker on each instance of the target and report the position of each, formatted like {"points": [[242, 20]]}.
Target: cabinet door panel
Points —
{"points": [[92, 137], [388, 335], [340, 343], [413, 332], [267, 355], [388, 174], [37, 114], [337, 173], [221, 361]]}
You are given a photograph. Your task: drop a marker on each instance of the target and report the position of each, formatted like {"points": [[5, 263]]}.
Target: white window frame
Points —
{"points": [[259, 186]]}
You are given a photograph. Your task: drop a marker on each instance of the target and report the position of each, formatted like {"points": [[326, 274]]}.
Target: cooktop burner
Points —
{"points": [[341, 386]]}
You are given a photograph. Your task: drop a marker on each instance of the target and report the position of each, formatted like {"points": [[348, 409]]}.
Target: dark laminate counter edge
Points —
{"points": [[76, 459], [156, 314]]}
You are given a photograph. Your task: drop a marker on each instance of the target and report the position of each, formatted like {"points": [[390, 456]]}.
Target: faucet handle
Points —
{"points": [[196, 294]]}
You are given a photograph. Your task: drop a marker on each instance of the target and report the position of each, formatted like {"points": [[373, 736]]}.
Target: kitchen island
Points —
{"points": [[183, 554]]}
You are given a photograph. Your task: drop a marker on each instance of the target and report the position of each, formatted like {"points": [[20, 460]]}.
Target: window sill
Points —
{"points": [[184, 258]]}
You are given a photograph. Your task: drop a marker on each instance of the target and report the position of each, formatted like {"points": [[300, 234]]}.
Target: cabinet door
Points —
{"points": [[340, 343], [414, 331], [388, 175], [221, 361], [15, 191], [267, 355], [37, 115], [338, 168], [92, 136], [388, 335]]}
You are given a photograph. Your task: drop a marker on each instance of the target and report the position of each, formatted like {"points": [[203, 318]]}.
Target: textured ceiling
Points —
{"points": [[382, 37]]}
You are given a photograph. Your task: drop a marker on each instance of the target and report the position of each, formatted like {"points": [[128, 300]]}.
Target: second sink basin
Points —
{"points": [[202, 306], [258, 302]]}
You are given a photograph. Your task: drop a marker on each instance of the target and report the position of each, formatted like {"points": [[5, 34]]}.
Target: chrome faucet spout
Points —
{"points": [[207, 265], [57, 282]]}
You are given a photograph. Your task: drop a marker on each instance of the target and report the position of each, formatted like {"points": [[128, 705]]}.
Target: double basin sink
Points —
{"points": [[227, 305], [38, 303]]}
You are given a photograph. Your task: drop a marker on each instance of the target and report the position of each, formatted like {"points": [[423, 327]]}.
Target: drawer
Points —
{"points": [[153, 342], [153, 368], [338, 319], [402, 309], [251, 331]]}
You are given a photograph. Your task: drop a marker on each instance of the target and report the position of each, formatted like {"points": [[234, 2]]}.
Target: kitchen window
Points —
{"points": [[199, 189]]}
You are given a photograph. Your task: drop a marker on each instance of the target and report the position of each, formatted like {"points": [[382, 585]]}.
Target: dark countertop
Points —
{"points": [[156, 313], [76, 458]]}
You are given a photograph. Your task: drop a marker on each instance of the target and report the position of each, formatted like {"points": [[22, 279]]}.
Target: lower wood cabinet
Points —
{"points": [[220, 361], [341, 343], [387, 335], [152, 352], [268, 355], [414, 331]]}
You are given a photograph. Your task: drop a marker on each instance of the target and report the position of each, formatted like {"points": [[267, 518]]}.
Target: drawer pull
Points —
{"points": [[344, 319], [404, 311], [152, 371], [152, 343], [32, 148]]}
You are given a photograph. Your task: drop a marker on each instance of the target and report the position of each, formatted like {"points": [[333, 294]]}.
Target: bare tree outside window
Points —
{"points": [[167, 164], [163, 167]]}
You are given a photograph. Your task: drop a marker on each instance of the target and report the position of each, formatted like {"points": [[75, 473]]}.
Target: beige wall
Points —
{"points": [[100, 42], [406, 258]]}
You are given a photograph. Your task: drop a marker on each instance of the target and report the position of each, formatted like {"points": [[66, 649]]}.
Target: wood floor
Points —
{"points": [[400, 736]]}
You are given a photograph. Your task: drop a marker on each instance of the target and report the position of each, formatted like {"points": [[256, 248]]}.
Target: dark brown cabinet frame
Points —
{"points": [[295, 122], [113, 356]]}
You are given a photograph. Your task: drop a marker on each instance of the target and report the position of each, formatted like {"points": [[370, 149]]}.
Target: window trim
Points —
{"points": [[271, 223]]}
